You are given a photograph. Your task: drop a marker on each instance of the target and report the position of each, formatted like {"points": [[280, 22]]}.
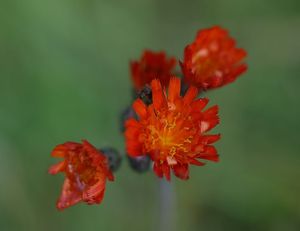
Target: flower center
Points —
{"points": [[80, 171], [169, 136]]}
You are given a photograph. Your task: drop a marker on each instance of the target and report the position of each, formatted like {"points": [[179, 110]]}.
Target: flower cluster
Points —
{"points": [[167, 125]]}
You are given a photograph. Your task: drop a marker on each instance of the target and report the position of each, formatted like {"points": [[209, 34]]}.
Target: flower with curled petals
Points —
{"points": [[172, 130], [152, 65], [86, 170], [212, 60]]}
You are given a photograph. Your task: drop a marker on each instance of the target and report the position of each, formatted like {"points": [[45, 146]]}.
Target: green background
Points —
{"points": [[64, 76]]}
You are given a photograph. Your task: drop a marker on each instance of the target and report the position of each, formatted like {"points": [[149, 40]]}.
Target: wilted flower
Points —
{"points": [[86, 170]]}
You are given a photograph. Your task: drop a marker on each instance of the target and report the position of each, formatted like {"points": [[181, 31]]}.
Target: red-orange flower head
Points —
{"points": [[212, 60], [86, 170], [172, 130], [152, 65]]}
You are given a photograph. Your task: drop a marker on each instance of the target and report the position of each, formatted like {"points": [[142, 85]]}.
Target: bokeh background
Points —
{"points": [[64, 76]]}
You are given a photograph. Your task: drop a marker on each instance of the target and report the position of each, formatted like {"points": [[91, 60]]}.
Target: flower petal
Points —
{"points": [[59, 167], [174, 89], [140, 108], [95, 193], [190, 95], [69, 196], [158, 96], [181, 171]]}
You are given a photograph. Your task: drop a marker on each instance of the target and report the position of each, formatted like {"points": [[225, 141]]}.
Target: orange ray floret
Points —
{"points": [[172, 130], [212, 60], [86, 170], [152, 65]]}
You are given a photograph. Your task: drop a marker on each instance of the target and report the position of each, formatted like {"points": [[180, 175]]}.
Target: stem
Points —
{"points": [[167, 210]]}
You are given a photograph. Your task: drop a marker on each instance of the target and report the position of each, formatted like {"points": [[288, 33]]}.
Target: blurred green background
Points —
{"points": [[64, 76]]}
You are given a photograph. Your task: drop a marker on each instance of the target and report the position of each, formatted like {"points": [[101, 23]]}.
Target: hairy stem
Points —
{"points": [[167, 207]]}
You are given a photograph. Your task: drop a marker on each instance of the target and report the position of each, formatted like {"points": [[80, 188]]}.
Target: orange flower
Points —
{"points": [[152, 65], [86, 171], [172, 130], [212, 60]]}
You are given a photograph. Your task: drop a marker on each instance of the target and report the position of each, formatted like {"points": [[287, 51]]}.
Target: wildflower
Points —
{"points": [[152, 65], [86, 170], [172, 130], [212, 60]]}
